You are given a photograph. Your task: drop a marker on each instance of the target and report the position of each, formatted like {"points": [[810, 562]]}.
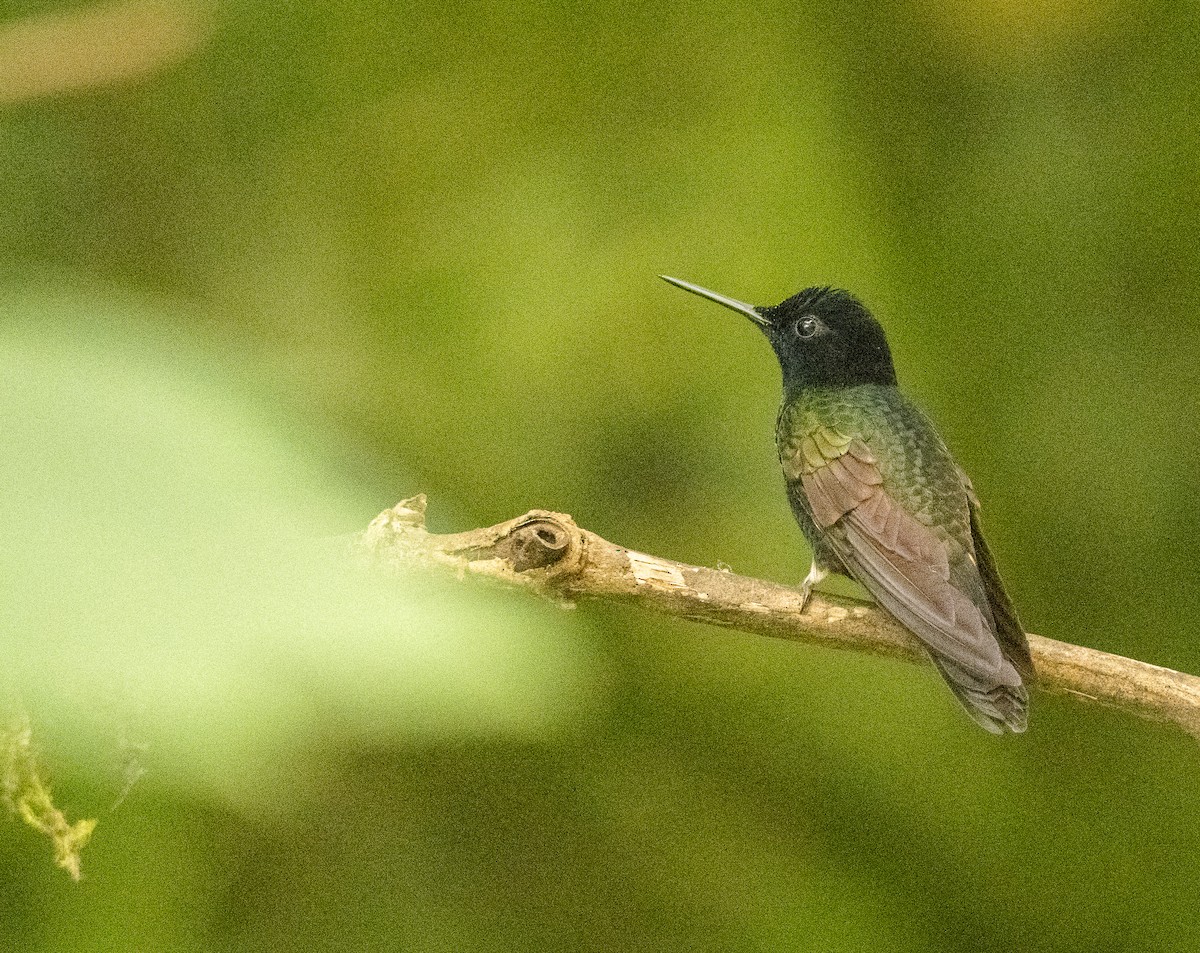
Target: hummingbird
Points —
{"points": [[881, 500]]}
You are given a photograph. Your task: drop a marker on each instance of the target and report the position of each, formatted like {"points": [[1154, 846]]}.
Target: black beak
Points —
{"points": [[739, 306]]}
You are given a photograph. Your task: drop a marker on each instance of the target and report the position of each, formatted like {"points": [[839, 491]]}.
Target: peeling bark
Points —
{"points": [[548, 553]]}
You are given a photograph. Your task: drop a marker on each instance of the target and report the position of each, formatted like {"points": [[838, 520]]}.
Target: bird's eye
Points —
{"points": [[806, 327]]}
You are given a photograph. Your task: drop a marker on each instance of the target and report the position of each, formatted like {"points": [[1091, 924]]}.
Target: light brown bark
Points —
{"points": [[547, 552]]}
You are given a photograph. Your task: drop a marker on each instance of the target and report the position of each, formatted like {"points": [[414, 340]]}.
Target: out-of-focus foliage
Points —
{"points": [[301, 260]]}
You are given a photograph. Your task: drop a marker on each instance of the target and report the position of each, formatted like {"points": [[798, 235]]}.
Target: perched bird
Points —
{"points": [[881, 500]]}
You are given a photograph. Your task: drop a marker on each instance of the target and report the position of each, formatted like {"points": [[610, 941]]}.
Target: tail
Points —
{"points": [[996, 707]]}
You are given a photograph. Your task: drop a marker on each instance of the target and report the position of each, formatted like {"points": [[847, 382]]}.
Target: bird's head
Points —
{"points": [[823, 337]]}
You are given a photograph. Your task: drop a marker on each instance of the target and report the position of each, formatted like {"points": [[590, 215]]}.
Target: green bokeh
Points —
{"points": [[344, 253]]}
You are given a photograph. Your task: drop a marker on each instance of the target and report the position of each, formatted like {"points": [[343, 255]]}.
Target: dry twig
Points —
{"points": [[547, 552]]}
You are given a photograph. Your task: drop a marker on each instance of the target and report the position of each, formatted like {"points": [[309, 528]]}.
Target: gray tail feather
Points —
{"points": [[996, 708]]}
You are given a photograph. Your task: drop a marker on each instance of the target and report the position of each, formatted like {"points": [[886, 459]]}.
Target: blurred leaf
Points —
{"points": [[163, 558], [104, 44]]}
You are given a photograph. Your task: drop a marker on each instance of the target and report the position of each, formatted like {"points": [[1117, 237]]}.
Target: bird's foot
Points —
{"points": [[815, 575], [805, 595]]}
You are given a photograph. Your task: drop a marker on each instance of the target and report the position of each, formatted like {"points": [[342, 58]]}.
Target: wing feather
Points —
{"points": [[905, 564], [865, 471], [1009, 630], [822, 498]]}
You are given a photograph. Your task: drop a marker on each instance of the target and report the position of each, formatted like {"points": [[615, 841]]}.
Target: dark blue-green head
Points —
{"points": [[823, 337]]}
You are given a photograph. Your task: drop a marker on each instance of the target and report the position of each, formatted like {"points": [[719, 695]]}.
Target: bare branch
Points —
{"points": [[548, 553]]}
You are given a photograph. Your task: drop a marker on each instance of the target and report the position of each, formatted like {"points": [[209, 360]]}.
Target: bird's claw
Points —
{"points": [[815, 575], [805, 595]]}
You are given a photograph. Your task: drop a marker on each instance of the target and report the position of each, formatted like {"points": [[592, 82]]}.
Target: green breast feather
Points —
{"points": [[917, 469]]}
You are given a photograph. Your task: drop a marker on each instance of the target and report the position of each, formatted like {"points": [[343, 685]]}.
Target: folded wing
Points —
{"points": [[906, 566]]}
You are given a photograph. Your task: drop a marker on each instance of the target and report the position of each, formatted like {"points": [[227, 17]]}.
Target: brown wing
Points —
{"points": [[1010, 632], [906, 567]]}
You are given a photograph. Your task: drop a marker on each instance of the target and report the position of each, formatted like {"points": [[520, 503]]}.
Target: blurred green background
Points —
{"points": [[267, 268]]}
